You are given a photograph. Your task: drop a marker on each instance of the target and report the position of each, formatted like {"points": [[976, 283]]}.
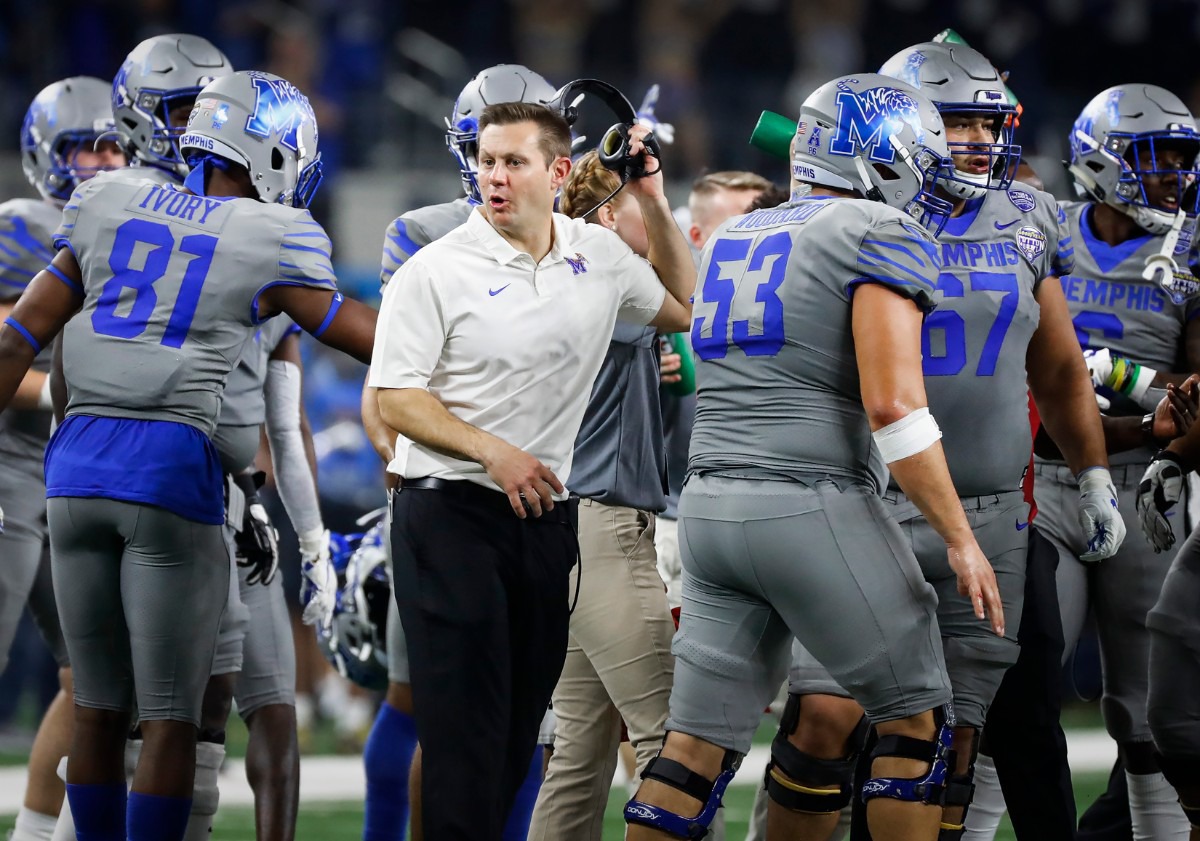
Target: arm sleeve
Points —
{"points": [[642, 293], [305, 259], [399, 244], [66, 227], [293, 477], [1063, 261], [902, 257], [24, 251], [410, 332]]}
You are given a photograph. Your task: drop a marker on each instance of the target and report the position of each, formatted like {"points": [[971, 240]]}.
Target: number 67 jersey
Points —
{"points": [[171, 286], [779, 394]]}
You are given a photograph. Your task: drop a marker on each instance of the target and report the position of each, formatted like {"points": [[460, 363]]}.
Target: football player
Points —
{"points": [[133, 466], [59, 151], [819, 305], [392, 743]]}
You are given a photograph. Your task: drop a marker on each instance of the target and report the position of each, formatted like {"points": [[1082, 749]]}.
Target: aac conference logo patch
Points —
{"points": [[1031, 242], [1022, 200]]}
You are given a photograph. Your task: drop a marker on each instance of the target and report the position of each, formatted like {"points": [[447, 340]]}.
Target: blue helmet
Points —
{"points": [[878, 137], [356, 643], [960, 80], [502, 83], [63, 117]]}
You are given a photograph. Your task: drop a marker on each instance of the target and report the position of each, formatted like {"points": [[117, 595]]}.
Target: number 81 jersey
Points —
{"points": [[995, 254], [171, 285]]}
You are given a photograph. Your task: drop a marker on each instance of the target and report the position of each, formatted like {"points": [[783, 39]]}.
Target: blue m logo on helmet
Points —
{"points": [[279, 109], [866, 121]]}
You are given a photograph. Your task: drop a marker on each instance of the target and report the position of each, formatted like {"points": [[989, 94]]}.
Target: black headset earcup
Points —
{"points": [[614, 147]]}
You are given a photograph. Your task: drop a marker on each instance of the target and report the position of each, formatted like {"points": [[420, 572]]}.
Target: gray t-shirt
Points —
{"points": [[776, 370], [26, 226], [415, 229], [171, 285], [994, 257]]}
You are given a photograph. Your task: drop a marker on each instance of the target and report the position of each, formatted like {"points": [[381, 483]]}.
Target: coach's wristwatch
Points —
{"points": [[1148, 435]]}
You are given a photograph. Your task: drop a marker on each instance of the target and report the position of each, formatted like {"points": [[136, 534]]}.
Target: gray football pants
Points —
{"points": [[1174, 695], [764, 562], [140, 593], [1120, 590], [23, 500], [976, 658]]}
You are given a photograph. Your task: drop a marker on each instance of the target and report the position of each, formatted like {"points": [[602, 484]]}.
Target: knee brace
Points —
{"points": [[828, 784], [1181, 773], [960, 790], [678, 776], [929, 788]]}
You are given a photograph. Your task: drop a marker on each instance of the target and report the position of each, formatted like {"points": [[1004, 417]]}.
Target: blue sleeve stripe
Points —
{"points": [[320, 233], [895, 246], [16, 325], [75, 287], [399, 237], [334, 306], [309, 279], [316, 266], [291, 246], [16, 255], [864, 260], [391, 258], [20, 284], [293, 329]]}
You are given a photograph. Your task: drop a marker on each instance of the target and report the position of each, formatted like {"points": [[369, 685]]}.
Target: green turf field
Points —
{"points": [[343, 821]]}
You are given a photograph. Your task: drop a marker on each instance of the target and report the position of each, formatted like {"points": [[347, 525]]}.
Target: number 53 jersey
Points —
{"points": [[171, 286], [777, 374]]}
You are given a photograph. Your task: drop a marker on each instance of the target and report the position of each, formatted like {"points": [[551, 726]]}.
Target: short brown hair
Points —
{"points": [[587, 185], [555, 134], [711, 182]]}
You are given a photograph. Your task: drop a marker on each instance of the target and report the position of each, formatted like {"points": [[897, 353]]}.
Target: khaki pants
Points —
{"points": [[619, 667]]}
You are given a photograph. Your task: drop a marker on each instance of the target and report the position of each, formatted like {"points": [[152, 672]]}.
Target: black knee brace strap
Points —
{"points": [[1182, 772], [679, 776], [929, 788], [828, 784]]}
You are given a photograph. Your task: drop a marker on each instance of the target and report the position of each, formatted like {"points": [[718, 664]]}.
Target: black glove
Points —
{"points": [[257, 542]]}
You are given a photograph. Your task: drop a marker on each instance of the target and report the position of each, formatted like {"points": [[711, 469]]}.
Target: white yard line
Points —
{"points": [[340, 778]]}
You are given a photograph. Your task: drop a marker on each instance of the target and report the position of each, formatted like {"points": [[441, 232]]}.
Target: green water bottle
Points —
{"points": [[678, 343], [773, 135]]}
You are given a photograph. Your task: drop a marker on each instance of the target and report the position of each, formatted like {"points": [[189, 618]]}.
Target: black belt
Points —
{"points": [[564, 510]]}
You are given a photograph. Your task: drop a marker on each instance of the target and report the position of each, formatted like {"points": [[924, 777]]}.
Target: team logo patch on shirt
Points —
{"points": [[1031, 242], [578, 263], [1185, 240], [1022, 200]]}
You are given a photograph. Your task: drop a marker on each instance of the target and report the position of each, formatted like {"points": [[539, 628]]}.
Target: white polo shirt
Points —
{"points": [[507, 345]]}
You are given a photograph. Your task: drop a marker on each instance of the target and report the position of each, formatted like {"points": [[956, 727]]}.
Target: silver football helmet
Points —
{"points": [[356, 642], [502, 83], [62, 118], [960, 80], [161, 74], [1118, 127], [878, 137], [265, 124]]}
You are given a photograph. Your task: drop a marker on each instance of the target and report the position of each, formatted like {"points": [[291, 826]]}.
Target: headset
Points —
{"points": [[613, 149]]}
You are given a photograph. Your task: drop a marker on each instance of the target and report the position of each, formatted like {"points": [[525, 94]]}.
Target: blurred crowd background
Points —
{"points": [[383, 76]]}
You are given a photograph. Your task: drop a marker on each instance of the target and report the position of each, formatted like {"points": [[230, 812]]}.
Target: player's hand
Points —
{"points": [[318, 582], [1103, 528], [1175, 413], [665, 132], [669, 363], [977, 581], [527, 482], [1099, 364], [258, 544], [1159, 491], [650, 185]]}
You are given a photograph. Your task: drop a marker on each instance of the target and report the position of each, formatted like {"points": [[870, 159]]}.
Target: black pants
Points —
{"points": [[483, 596], [1023, 734]]}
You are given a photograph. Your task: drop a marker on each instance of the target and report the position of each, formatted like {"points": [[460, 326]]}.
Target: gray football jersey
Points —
{"points": [[416, 229], [171, 293], [1114, 307], [26, 226], [776, 371], [243, 406], [994, 257]]}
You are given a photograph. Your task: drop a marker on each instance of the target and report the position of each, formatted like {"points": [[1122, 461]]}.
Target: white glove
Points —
{"points": [[318, 582], [1099, 365], [1160, 489], [665, 132], [1122, 375], [1103, 527]]}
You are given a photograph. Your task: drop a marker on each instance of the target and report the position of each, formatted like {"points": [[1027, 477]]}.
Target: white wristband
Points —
{"points": [[1141, 384], [908, 436], [45, 400]]}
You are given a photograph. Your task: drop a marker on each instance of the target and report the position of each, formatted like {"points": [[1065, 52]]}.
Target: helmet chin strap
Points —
{"points": [[872, 192], [1161, 267]]}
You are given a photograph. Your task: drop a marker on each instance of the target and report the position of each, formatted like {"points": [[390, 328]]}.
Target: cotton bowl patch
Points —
{"points": [[1031, 242], [1181, 286], [1022, 200]]}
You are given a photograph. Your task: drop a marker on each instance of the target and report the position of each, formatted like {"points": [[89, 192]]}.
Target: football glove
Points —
{"points": [[1124, 376], [1103, 528], [1159, 491], [665, 132], [318, 581], [257, 543]]}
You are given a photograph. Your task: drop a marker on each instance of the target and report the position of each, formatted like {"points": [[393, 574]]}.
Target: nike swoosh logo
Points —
{"points": [[1000, 227], [495, 292], [1022, 526]]}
